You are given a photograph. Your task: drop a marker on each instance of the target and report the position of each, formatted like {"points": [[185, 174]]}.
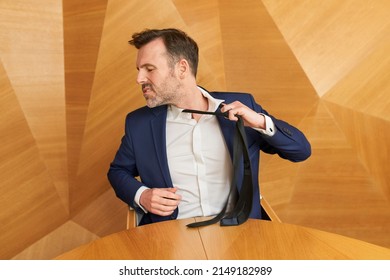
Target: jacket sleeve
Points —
{"points": [[123, 170], [288, 141]]}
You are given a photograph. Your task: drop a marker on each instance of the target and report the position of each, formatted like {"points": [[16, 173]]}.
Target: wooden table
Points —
{"points": [[255, 239]]}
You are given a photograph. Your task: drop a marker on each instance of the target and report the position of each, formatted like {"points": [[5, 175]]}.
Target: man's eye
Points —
{"points": [[149, 69]]}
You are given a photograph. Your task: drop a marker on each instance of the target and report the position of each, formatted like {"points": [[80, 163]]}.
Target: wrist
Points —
{"points": [[261, 123]]}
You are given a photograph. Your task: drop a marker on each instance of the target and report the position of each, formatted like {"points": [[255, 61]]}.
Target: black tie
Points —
{"points": [[240, 212]]}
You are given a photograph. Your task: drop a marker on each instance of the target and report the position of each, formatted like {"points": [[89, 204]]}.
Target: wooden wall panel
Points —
{"points": [[104, 215], [369, 137], [68, 80], [30, 206], [343, 47], [258, 60], [366, 88], [64, 238], [32, 54], [34, 189], [332, 191], [202, 20], [83, 24], [361, 105], [330, 38]]}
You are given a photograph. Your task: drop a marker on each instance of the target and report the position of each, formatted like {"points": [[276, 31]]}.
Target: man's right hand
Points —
{"points": [[160, 201]]}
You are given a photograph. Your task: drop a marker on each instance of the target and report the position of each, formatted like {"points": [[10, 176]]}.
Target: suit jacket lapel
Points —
{"points": [[158, 126]]}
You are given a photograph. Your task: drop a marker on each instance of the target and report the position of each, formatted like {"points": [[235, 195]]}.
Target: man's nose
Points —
{"points": [[141, 79]]}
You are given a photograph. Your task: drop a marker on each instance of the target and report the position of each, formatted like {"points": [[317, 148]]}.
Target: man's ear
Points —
{"points": [[184, 68]]}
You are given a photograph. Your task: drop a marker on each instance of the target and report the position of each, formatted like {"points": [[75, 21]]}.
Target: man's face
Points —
{"points": [[157, 78]]}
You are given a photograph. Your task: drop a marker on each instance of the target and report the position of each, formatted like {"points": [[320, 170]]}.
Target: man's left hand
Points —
{"points": [[250, 117]]}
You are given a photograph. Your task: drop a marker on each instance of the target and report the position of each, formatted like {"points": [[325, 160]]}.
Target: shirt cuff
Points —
{"points": [[137, 197], [269, 126]]}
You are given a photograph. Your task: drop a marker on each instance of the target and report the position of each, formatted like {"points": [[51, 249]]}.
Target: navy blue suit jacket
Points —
{"points": [[143, 154]]}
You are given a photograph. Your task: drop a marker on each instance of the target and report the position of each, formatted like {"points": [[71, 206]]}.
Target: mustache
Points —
{"points": [[144, 86]]}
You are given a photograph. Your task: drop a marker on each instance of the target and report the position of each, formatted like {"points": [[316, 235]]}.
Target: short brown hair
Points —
{"points": [[179, 45]]}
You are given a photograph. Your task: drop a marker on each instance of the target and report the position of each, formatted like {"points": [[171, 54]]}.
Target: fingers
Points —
{"points": [[234, 108], [250, 117], [160, 201]]}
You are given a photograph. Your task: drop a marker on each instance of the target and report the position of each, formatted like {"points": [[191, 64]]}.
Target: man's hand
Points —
{"points": [[250, 117], [160, 201]]}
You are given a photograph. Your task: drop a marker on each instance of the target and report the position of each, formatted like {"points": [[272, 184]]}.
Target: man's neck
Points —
{"points": [[193, 99]]}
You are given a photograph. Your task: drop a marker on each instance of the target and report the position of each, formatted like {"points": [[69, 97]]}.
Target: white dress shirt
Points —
{"points": [[199, 162]]}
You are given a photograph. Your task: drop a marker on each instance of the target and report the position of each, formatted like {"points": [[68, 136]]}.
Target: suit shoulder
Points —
{"points": [[231, 95], [145, 113], [139, 111]]}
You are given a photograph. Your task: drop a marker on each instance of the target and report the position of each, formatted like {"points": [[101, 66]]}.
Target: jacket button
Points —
{"points": [[287, 131]]}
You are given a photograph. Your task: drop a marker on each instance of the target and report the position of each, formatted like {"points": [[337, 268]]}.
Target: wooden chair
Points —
{"points": [[133, 218], [268, 213]]}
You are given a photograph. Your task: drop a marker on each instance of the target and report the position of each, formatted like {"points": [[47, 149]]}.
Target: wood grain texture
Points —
{"points": [[255, 239], [342, 47], [258, 60], [83, 24], [68, 80], [279, 241], [28, 196], [36, 71], [330, 38], [64, 238], [162, 241]]}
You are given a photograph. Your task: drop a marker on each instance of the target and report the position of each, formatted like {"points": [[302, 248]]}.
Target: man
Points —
{"points": [[184, 160]]}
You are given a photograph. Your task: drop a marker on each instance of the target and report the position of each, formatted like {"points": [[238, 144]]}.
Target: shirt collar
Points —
{"points": [[213, 104]]}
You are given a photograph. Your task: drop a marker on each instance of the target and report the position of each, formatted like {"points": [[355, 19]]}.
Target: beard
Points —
{"points": [[167, 93]]}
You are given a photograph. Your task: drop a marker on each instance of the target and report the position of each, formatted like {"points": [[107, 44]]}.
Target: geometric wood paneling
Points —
{"points": [[83, 24], [343, 47], [366, 87], [64, 238], [32, 53], [28, 195], [369, 137], [104, 215], [333, 191], [203, 21], [330, 38], [361, 105], [258, 60], [68, 78], [33, 186]]}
